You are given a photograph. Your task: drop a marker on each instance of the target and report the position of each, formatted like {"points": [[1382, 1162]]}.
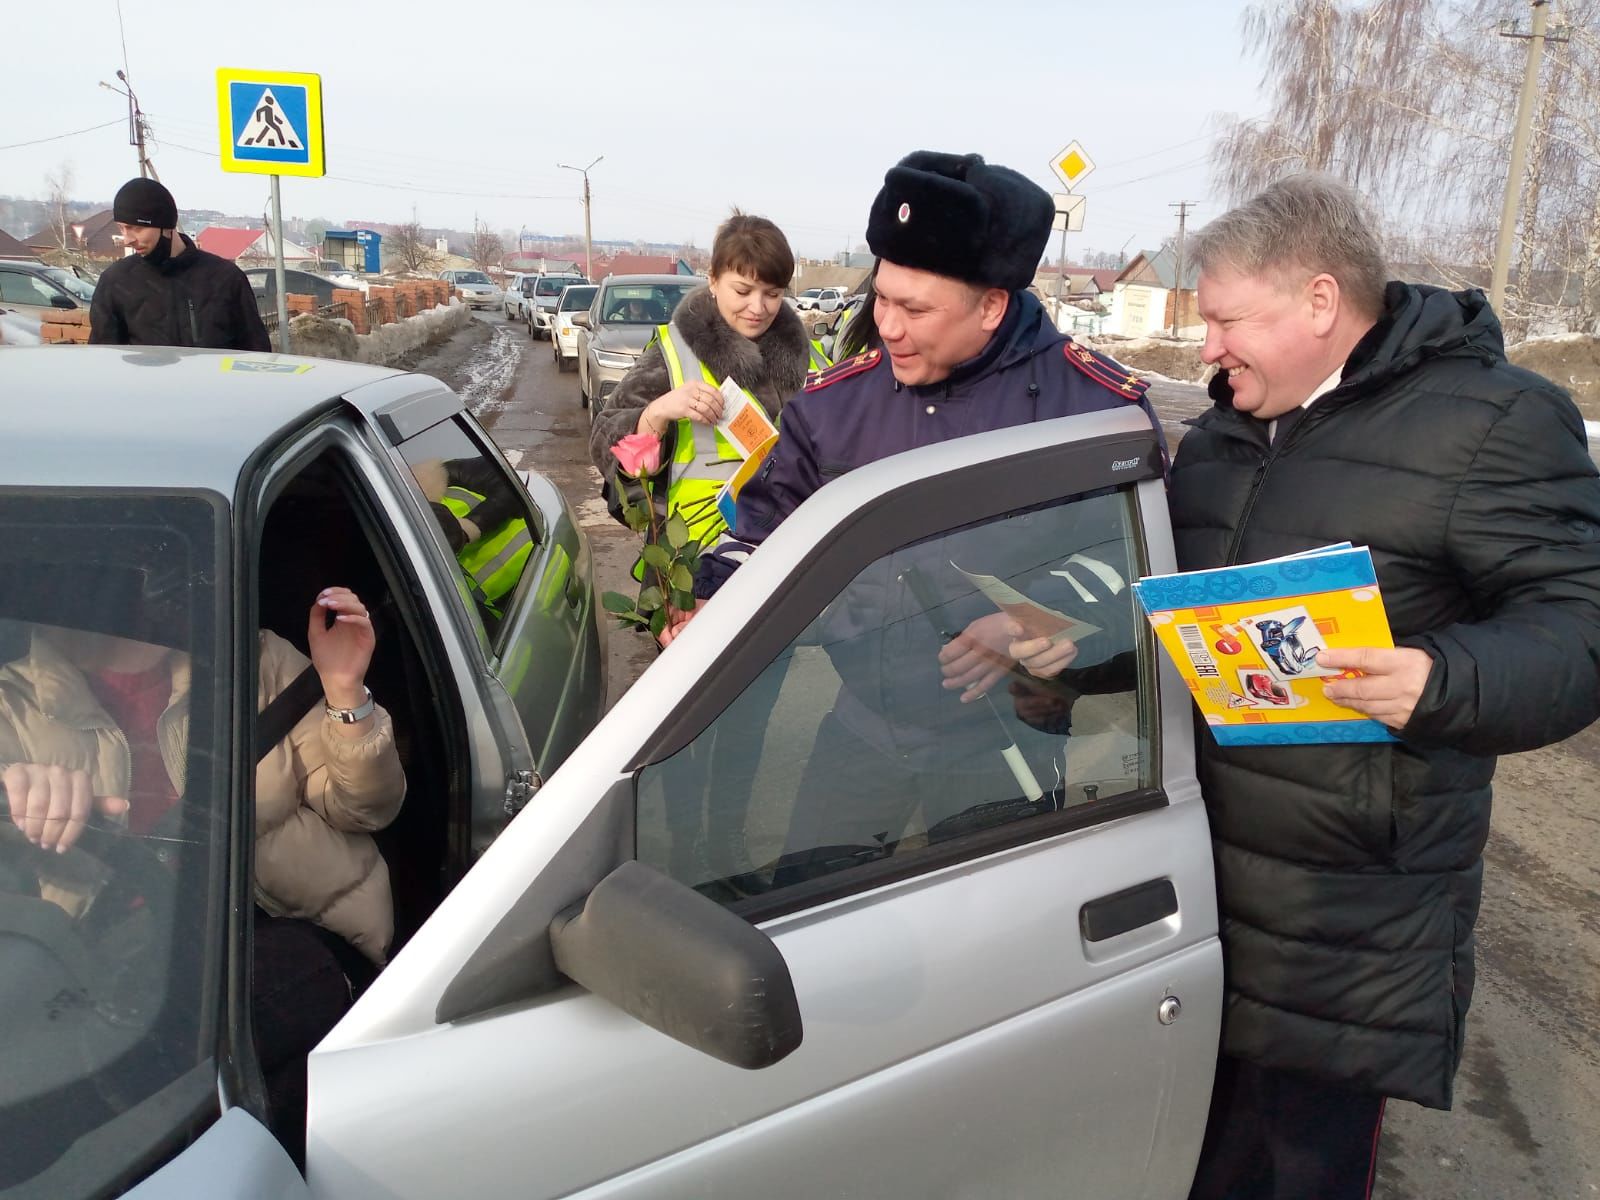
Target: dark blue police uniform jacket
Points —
{"points": [[856, 412]]}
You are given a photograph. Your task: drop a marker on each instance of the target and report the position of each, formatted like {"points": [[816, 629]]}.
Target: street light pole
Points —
{"points": [[588, 245]]}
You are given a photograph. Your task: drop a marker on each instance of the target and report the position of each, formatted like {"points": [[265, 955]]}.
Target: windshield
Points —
{"points": [[471, 277], [110, 949], [551, 285], [80, 288], [575, 299], [643, 303]]}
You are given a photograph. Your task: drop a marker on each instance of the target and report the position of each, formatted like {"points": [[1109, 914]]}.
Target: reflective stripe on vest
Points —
{"points": [[819, 360], [702, 459], [494, 562]]}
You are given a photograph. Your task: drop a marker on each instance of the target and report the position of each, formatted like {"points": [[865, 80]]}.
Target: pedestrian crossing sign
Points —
{"points": [[270, 122]]}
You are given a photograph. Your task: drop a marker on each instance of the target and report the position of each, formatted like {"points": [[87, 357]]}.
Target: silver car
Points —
{"points": [[714, 954], [35, 288], [540, 309], [128, 509], [618, 326], [477, 289]]}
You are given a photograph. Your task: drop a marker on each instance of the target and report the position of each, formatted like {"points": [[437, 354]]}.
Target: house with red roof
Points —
{"points": [[95, 236], [250, 246], [643, 264], [10, 247]]}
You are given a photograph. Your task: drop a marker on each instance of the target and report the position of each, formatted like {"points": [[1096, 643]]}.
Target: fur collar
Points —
{"points": [[777, 360]]}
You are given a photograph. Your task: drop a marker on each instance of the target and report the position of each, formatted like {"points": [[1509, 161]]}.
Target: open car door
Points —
{"points": [[798, 920]]}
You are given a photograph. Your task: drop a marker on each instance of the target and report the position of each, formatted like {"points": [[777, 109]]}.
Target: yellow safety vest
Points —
{"points": [[494, 562], [702, 459]]}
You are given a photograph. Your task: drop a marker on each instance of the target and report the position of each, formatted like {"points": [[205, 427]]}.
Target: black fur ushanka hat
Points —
{"points": [[955, 215]]}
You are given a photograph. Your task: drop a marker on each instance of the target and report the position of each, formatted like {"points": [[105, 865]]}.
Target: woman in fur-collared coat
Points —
{"points": [[738, 326]]}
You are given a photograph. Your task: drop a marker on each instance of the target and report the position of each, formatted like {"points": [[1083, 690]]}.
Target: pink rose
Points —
{"points": [[639, 454]]}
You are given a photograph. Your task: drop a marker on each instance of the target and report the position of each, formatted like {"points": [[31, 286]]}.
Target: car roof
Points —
{"points": [[155, 416], [28, 264]]}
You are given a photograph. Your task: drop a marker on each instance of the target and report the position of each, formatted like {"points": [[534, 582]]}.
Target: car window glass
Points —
{"points": [[642, 303], [108, 949], [22, 287], [575, 299], [847, 750], [70, 283], [552, 285], [481, 512]]}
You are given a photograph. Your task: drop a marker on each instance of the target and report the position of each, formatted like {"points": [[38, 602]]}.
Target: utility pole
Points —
{"points": [[588, 243], [1519, 141], [138, 125], [1183, 207]]}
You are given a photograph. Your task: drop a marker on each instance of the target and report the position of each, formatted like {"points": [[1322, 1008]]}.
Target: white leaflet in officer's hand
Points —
{"points": [[743, 423]]}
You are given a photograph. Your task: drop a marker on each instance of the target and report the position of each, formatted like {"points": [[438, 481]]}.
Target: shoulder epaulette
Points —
{"points": [[864, 361], [1106, 371]]}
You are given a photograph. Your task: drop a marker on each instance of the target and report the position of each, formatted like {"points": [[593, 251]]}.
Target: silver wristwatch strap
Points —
{"points": [[349, 716]]}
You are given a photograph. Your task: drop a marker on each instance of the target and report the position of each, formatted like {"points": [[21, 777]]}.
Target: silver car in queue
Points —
{"points": [[620, 323]]}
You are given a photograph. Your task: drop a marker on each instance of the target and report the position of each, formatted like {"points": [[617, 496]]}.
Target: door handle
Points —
{"points": [[1129, 909]]}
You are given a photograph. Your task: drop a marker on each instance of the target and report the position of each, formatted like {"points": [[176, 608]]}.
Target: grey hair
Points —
{"points": [[1312, 222]]}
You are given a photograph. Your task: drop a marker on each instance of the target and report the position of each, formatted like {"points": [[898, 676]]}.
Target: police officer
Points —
{"points": [[168, 292], [964, 348]]}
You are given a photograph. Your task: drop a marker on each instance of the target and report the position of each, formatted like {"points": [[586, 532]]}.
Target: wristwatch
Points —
{"points": [[349, 716]]}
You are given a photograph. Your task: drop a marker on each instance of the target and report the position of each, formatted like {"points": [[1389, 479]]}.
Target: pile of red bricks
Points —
{"points": [[69, 326], [385, 305]]}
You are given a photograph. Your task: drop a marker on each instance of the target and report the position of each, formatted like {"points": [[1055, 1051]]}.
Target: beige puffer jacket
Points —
{"points": [[319, 796]]}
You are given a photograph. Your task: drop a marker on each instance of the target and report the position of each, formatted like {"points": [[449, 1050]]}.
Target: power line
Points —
{"points": [[56, 137], [398, 187]]}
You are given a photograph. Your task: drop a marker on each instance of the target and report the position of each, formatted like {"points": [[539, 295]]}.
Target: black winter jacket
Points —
{"points": [[190, 299], [1349, 876]]}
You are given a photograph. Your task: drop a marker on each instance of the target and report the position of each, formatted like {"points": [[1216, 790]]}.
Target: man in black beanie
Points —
{"points": [[168, 292]]}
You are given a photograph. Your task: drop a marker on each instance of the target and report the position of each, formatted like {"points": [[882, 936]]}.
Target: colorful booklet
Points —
{"points": [[1245, 639], [743, 423], [728, 497]]}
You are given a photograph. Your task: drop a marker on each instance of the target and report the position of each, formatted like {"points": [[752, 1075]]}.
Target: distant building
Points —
{"points": [[95, 236], [249, 246], [644, 264], [1147, 291], [529, 264], [10, 247], [354, 249]]}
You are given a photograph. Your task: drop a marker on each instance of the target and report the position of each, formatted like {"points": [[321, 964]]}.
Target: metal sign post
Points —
{"points": [[270, 123]]}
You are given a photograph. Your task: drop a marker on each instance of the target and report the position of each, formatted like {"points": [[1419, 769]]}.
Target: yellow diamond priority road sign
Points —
{"points": [[1071, 165]]}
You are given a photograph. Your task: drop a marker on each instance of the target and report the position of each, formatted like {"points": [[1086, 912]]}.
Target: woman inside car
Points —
{"points": [[736, 327], [94, 730]]}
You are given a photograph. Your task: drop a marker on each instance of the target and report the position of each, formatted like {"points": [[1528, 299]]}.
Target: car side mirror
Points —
{"points": [[681, 964], [581, 320], [819, 329], [60, 301]]}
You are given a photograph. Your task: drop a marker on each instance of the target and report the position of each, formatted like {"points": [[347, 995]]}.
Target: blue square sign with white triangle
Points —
{"points": [[270, 122]]}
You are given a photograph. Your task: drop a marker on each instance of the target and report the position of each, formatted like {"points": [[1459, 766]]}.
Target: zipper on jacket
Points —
{"points": [[194, 325], [1255, 486]]}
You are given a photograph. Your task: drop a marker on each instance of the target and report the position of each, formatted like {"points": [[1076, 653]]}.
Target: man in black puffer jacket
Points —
{"points": [[1349, 876], [170, 293]]}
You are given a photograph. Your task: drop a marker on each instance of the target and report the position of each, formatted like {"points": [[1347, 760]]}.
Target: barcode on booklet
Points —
{"points": [[1194, 643]]}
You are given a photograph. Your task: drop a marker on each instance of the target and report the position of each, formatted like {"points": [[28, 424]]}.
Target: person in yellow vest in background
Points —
{"points": [[736, 328], [486, 531]]}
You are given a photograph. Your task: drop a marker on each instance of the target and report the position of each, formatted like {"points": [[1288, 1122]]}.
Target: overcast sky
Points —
{"points": [[786, 109]]}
